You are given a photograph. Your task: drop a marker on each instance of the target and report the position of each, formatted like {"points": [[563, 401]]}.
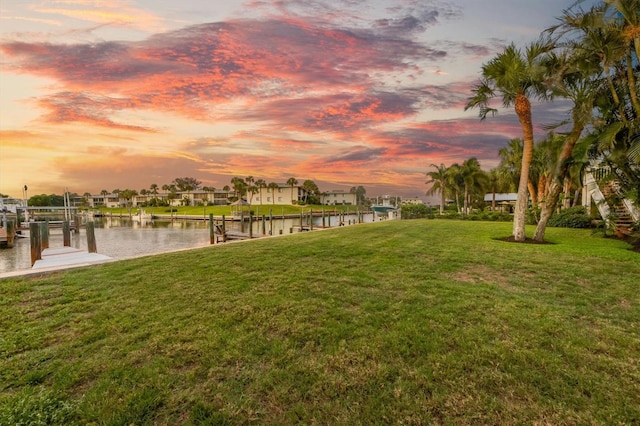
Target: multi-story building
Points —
{"points": [[338, 197]]}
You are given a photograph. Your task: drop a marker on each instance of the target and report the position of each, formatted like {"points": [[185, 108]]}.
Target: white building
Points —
{"points": [[338, 197]]}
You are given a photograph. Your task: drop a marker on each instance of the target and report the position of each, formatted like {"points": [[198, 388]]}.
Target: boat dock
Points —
{"points": [[53, 258]]}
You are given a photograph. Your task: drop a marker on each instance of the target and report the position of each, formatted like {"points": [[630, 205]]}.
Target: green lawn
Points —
{"points": [[397, 322]]}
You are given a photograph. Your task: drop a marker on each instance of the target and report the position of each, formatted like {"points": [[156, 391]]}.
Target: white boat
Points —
{"points": [[142, 216]]}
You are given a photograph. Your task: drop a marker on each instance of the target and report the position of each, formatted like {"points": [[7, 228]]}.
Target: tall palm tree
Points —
{"points": [[455, 183], [252, 190], [517, 78], [153, 189], [576, 83], [292, 182], [239, 186], [596, 72], [273, 186], [498, 182], [261, 184], [438, 178], [471, 176]]}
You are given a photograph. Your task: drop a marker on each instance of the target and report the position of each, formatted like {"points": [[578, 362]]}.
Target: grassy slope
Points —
{"points": [[397, 322]]}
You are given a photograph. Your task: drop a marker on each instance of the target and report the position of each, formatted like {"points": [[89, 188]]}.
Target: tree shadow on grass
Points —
{"points": [[527, 240]]}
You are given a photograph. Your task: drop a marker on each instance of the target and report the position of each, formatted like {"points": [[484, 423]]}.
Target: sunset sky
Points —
{"points": [[105, 94]]}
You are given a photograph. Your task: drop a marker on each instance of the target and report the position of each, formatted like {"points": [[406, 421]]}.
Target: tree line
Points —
{"points": [[591, 60], [245, 188]]}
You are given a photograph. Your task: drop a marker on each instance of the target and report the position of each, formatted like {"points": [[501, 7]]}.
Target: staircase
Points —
{"points": [[622, 215]]}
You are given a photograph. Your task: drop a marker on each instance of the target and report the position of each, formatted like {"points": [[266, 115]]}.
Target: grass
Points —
{"points": [[398, 322]]}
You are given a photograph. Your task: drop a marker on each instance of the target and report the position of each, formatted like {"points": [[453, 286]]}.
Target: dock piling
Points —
{"points": [[91, 238], [11, 233], [66, 233], [224, 230], [44, 234], [212, 233], [34, 236]]}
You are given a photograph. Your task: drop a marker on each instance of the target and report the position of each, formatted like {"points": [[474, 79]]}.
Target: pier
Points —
{"points": [[53, 258]]}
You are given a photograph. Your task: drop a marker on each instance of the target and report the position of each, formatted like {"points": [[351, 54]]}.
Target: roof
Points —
{"points": [[511, 196]]}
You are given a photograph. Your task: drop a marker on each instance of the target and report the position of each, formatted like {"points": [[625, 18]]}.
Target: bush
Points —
{"points": [[573, 217], [417, 211]]}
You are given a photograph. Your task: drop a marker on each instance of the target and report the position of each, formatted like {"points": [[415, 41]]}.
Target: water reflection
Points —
{"points": [[122, 237]]}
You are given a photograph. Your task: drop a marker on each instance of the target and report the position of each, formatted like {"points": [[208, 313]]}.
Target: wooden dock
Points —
{"points": [[67, 256]]}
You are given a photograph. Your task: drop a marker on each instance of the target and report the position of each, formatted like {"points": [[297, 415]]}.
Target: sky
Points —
{"points": [[106, 94]]}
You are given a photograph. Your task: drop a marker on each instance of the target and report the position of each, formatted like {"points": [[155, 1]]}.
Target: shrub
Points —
{"points": [[417, 211], [573, 217]]}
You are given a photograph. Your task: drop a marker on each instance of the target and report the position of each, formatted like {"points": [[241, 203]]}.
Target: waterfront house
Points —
{"points": [[284, 194], [338, 197], [411, 200], [504, 202]]}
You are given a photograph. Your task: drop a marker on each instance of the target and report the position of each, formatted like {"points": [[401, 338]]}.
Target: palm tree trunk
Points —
{"points": [[442, 201], [466, 200], [547, 210], [554, 187], [532, 193], [523, 110], [567, 193], [633, 94]]}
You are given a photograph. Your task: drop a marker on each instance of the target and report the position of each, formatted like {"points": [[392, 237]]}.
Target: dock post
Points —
{"points": [[310, 220], [301, 225], [44, 234], [242, 221], [76, 223], [224, 230], [11, 233], [323, 218], [264, 225], [212, 233], [66, 233], [271, 222], [250, 224], [34, 236], [91, 238]]}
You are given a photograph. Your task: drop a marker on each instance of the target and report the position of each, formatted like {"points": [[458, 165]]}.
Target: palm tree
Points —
{"points": [[516, 78], [498, 182], [590, 73], [239, 186], [471, 176], [273, 186], [455, 183], [311, 190], [438, 178], [292, 182], [252, 190], [261, 184]]}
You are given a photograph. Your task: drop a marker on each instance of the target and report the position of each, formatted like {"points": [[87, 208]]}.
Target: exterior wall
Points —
{"points": [[333, 198], [282, 195], [411, 200]]}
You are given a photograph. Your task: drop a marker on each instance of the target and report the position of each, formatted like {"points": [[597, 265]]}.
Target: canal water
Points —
{"points": [[122, 238]]}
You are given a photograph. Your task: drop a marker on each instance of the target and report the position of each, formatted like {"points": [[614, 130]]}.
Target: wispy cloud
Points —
{"points": [[114, 12], [329, 90]]}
